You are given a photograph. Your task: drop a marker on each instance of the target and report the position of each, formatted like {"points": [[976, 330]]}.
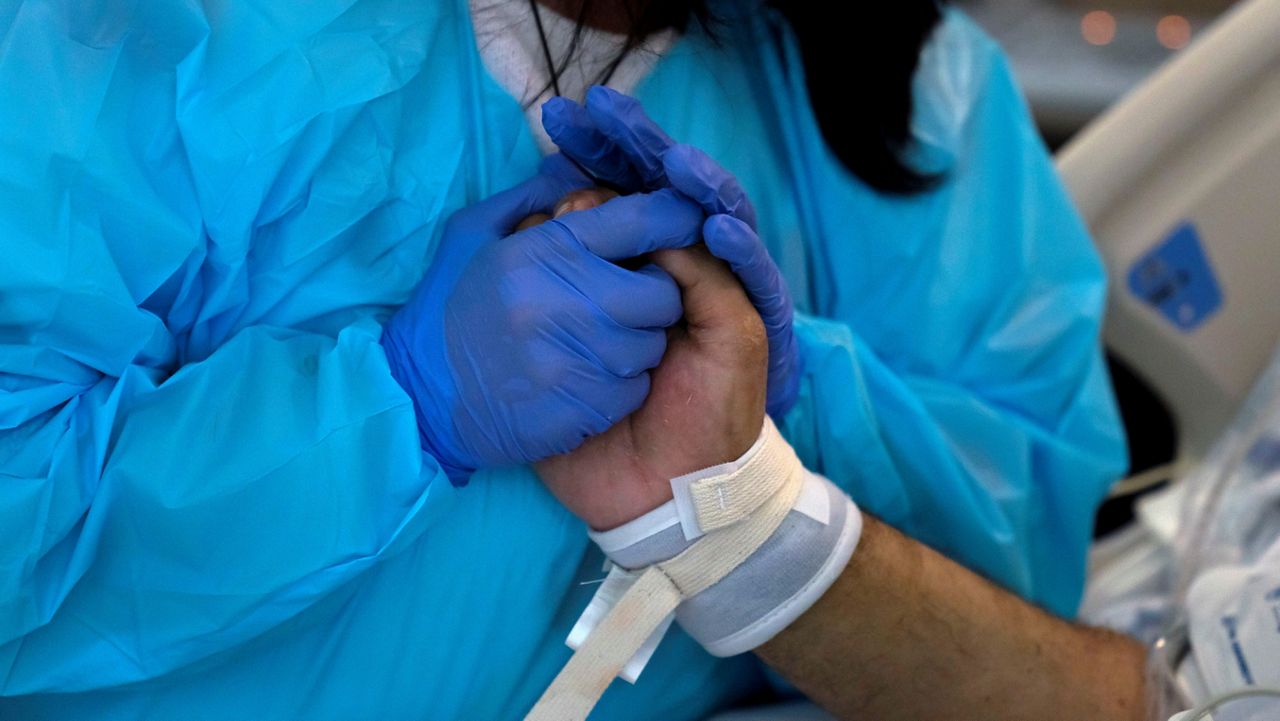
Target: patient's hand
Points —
{"points": [[584, 199], [705, 406]]}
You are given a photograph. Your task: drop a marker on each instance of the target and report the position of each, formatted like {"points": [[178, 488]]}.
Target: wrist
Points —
{"points": [[623, 490], [777, 581], [752, 564], [633, 500]]}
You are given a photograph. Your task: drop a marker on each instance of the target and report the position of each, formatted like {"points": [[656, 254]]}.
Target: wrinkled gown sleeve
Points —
{"points": [[199, 434]]}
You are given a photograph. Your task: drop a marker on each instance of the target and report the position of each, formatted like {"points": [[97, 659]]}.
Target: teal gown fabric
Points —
{"points": [[212, 500]]}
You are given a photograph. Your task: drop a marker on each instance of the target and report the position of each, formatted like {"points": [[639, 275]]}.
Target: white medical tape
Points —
{"points": [[659, 589], [635, 531]]}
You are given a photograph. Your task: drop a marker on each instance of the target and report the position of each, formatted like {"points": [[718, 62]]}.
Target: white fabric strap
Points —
{"points": [[723, 500], [660, 588], [582, 681], [611, 590]]}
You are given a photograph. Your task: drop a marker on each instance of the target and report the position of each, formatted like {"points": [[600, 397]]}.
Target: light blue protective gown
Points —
{"points": [[212, 500]]}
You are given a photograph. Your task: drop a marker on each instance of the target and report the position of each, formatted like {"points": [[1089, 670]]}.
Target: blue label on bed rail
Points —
{"points": [[1175, 277]]}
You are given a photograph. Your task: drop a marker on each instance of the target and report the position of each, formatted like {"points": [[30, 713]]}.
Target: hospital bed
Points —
{"points": [[1180, 184]]}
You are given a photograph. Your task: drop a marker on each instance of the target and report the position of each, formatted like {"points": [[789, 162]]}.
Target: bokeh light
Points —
{"points": [[1098, 27], [1173, 32]]}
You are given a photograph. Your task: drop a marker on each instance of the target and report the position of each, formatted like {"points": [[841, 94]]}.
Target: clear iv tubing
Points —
{"points": [[1202, 711], [1166, 700]]}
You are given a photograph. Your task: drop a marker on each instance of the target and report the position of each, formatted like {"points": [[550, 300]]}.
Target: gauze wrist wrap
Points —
{"points": [[743, 550]]}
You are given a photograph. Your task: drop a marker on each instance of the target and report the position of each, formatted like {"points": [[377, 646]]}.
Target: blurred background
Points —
{"points": [[1075, 57]]}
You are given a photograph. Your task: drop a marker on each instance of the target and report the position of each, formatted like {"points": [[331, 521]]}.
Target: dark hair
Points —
{"points": [[859, 61]]}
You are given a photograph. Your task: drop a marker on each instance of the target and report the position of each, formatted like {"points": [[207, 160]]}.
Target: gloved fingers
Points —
{"points": [[592, 405], [572, 130], [632, 225], [499, 214], [786, 366], [617, 141], [695, 174], [618, 399], [644, 298], [622, 352], [734, 242], [561, 167], [623, 120]]}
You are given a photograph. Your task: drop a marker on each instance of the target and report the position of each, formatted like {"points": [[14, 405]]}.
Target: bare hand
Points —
{"points": [[705, 406]]}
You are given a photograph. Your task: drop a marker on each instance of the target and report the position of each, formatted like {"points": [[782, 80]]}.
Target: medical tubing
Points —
{"points": [[1202, 712], [1210, 536]]}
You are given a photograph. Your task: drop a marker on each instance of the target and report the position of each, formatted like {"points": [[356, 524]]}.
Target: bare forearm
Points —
{"points": [[905, 633]]}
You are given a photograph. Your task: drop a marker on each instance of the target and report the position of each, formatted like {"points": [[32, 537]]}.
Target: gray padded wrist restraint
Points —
{"points": [[742, 551]]}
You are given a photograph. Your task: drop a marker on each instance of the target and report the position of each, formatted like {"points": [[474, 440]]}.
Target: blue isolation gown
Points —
{"points": [[213, 504]]}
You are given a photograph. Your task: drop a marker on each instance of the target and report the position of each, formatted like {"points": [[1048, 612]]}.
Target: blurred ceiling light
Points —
{"points": [[1173, 32], [1098, 27]]}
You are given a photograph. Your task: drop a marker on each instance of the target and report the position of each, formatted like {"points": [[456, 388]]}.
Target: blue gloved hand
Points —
{"points": [[517, 347], [613, 139]]}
